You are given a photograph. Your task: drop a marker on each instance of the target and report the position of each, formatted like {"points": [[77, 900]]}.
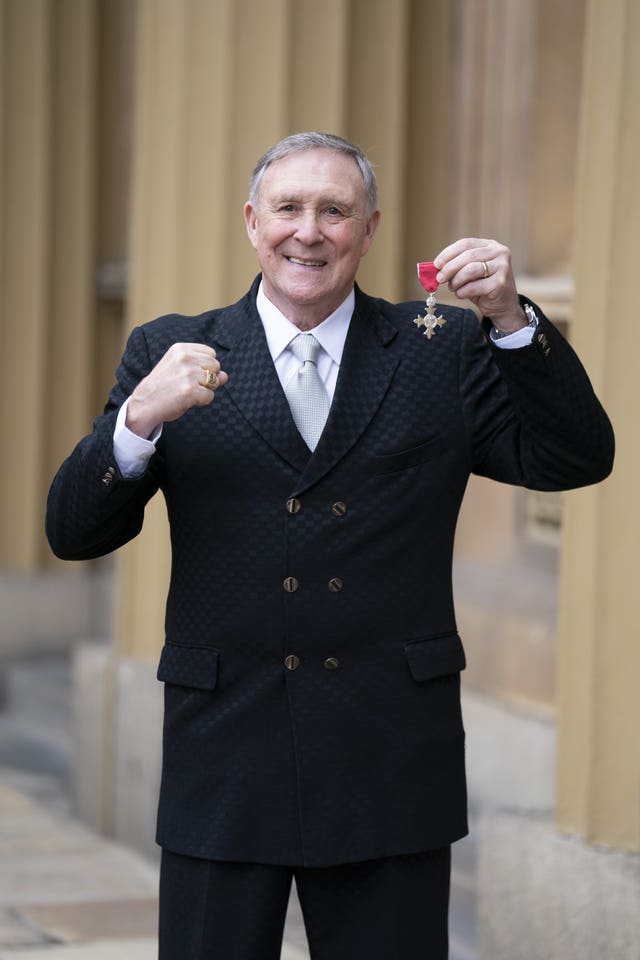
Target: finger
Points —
{"points": [[493, 290], [203, 396], [188, 353], [210, 378], [214, 377], [211, 368], [462, 253], [476, 272], [474, 291], [461, 248], [454, 250], [214, 365], [193, 346], [202, 351]]}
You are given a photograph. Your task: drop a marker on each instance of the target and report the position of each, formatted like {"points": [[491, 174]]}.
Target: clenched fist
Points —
{"points": [[177, 382]]}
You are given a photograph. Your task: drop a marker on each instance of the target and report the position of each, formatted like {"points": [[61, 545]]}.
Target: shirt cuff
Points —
{"points": [[132, 452], [520, 338]]}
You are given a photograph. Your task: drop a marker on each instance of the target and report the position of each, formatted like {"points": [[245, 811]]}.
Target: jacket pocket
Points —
{"points": [[435, 656], [189, 666], [393, 462]]}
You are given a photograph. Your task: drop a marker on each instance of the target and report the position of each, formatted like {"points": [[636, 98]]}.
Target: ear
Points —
{"points": [[371, 227], [251, 222]]}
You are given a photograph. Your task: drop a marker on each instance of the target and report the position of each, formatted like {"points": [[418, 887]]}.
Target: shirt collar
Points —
{"points": [[331, 333]]}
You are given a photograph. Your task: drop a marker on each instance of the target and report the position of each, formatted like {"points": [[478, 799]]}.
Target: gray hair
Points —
{"points": [[297, 143]]}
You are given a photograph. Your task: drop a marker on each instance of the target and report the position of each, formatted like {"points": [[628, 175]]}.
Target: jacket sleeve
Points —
{"points": [[532, 416], [91, 508]]}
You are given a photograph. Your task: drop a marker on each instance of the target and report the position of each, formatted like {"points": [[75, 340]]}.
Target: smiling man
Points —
{"points": [[311, 661]]}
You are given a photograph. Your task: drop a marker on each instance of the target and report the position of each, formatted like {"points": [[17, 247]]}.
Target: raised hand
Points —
{"points": [[481, 271]]}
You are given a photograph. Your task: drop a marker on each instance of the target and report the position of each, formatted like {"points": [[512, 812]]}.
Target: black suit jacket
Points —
{"points": [[341, 558]]}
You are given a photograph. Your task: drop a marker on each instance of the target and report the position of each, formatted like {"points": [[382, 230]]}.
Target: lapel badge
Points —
{"points": [[427, 276]]}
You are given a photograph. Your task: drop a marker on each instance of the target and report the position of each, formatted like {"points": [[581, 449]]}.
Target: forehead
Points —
{"points": [[312, 172]]}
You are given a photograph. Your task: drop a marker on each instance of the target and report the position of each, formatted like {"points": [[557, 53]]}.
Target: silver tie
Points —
{"points": [[305, 391]]}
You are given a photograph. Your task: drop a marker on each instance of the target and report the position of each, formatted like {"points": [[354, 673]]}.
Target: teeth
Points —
{"points": [[306, 263]]}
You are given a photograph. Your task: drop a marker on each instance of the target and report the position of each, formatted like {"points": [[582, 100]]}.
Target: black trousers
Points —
{"points": [[388, 909]]}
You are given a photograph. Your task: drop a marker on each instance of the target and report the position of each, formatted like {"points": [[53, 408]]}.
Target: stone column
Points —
{"points": [[493, 100], [46, 255], [377, 99], [514, 105], [598, 790]]}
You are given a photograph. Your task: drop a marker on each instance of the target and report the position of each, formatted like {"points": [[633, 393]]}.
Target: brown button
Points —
{"points": [[335, 584], [292, 662], [293, 505], [339, 508], [332, 663], [290, 584]]}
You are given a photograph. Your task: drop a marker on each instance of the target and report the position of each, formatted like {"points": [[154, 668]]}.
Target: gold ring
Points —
{"points": [[210, 380], [485, 269]]}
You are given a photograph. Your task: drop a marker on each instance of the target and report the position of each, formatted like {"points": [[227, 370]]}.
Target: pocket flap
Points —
{"points": [[403, 459], [435, 656], [189, 666]]}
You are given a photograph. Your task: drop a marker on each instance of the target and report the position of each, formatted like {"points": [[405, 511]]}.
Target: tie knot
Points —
{"points": [[305, 347]]}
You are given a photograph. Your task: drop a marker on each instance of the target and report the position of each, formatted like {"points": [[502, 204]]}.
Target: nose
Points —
{"points": [[308, 229]]}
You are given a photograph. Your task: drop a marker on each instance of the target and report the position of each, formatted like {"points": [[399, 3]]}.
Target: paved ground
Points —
{"points": [[68, 894]]}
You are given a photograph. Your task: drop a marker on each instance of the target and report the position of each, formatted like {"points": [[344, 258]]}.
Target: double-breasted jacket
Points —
{"points": [[311, 661]]}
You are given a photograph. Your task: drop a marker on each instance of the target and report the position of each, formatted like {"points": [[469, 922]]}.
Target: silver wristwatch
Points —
{"points": [[532, 317]]}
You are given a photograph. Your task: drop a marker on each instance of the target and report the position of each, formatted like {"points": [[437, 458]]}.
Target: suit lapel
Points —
{"points": [[366, 371], [253, 384]]}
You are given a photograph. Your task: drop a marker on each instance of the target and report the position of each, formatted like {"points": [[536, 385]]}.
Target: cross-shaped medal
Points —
{"points": [[427, 276]]}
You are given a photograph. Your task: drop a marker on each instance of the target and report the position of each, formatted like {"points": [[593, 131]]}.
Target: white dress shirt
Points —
{"points": [[330, 334], [132, 452]]}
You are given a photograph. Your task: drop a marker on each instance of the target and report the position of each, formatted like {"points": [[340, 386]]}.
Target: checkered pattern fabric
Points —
{"points": [[312, 661]]}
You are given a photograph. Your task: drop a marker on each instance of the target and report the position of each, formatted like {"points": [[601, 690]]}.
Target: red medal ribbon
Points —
{"points": [[427, 275]]}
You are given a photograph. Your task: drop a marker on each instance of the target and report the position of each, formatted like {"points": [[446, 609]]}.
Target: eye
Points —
{"points": [[287, 208], [333, 212]]}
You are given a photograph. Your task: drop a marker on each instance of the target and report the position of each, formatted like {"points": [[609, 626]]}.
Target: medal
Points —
{"points": [[427, 276]]}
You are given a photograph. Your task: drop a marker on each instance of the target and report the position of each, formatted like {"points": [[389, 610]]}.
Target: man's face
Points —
{"points": [[310, 229]]}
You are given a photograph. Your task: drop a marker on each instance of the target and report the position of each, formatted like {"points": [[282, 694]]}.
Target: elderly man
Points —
{"points": [[312, 663]]}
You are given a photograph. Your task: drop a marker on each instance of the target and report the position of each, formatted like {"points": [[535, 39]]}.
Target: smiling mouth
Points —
{"points": [[307, 263]]}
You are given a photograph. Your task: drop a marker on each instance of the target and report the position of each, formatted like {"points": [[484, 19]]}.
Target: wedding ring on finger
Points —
{"points": [[485, 269], [211, 379]]}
